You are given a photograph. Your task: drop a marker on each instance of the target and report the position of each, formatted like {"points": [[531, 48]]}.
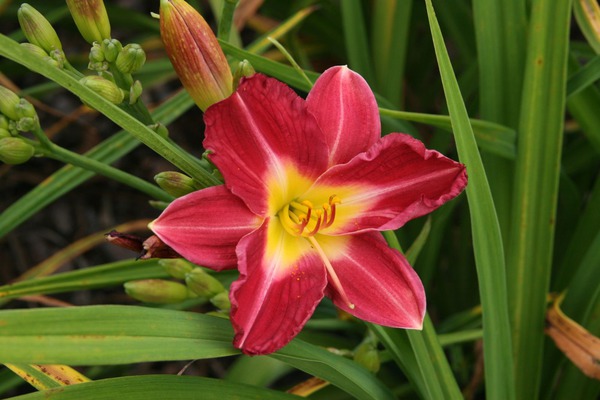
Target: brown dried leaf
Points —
{"points": [[579, 345]]}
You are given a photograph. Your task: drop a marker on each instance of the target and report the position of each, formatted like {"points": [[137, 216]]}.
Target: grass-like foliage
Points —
{"points": [[98, 136]]}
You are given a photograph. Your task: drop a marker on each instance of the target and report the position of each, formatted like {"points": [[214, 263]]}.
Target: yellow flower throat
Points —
{"points": [[301, 219]]}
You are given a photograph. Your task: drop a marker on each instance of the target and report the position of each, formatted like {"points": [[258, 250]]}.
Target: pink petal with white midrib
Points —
{"points": [[205, 226], [378, 280], [257, 134], [395, 181], [279, 287], [346, 111]]}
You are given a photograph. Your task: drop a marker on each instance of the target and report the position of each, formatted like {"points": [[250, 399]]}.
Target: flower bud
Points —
{"points": [[97, 60], [8, 103], [203, 284], [157, 291], [366, 354], [111, 49], [175, 183], [244, 69], [15, 150], [176, 267], [130, 59], [37, 29], [221, 301], [104, 88], [57, 58], [195, 53], [135, 91], [35, 50], [160, 129], [91, 19], [3, 121]]}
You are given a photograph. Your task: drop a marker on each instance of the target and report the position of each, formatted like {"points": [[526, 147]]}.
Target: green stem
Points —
{"points": [[61, 154], [226, 19]]}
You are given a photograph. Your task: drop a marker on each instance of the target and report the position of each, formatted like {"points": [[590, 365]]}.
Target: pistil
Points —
{"points": [[333, 278]]}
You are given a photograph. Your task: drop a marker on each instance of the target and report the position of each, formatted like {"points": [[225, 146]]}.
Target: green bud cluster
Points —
{"points": [[198, 281], [20, 115], [37, 29]]}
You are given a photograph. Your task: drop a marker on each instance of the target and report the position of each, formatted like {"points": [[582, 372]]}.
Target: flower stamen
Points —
{"points": [[302, 219], [332, 275]]}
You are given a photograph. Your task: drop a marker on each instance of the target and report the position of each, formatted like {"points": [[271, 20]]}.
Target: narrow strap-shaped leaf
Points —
{"points": [[536, 191], [108, 335], [99, 276], [357, 41], [158, 387], [487, 241]]}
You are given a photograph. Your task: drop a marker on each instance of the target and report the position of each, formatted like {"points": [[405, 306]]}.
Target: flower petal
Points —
{"points": [[378, 280], [205, 226], [281, 282], [265, 143], [396, 180], [346, 111]]}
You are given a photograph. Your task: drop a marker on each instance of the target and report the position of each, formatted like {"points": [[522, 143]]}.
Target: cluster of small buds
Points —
{"points": [[198, 284], [43, 40], [106, 54], [16, 115]]}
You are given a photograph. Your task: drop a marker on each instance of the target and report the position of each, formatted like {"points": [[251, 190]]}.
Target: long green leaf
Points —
{"points": [[89, 278], [487, 241], [107, 335], [355, 34], [157, 387], [536, 191], [500, 27]]}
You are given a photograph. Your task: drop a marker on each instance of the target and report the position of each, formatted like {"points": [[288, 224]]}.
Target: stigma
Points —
{"points": [[302, 218]]}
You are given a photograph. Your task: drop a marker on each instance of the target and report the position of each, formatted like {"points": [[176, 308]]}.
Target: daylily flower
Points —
{"points": [[308, 183]]}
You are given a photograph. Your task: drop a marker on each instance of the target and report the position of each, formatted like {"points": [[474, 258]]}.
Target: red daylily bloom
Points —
{"points": [[307, 185]]}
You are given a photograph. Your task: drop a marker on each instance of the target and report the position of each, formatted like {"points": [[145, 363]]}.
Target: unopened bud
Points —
{"points": [[135, 91], [91, 19], [244, 69], [97, 60], [175, 183], [8, 103], [176, 267], [157, 291], [131, 58], [203, 284], [195, 53], [35, 50], [15, 150], [57, 58], [104, 88], [37, 29], [366, 354], [111, 49], [221, 301], [160, 129], [3, 121]]}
